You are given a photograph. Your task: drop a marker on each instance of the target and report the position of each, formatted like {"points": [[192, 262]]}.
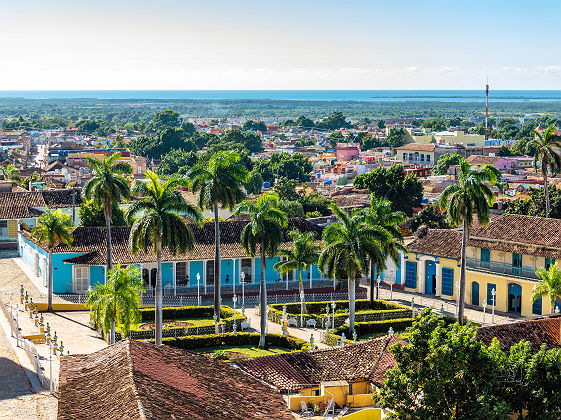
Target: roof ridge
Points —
{"points": [[141, 409]]}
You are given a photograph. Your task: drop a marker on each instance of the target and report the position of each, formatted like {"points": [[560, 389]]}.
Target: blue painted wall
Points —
{"points": [[167, 274], [194, 268], [97, 275]]}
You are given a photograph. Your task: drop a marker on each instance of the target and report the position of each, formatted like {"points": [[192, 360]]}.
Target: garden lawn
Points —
{"points": [[195, 322], [248, 350]]}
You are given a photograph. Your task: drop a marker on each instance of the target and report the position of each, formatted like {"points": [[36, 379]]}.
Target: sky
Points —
{"points": [[305, 44]]}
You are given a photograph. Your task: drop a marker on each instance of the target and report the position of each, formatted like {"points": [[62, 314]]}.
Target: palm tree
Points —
{"points": [[303, 254], [548, 147], [470, 196], [108, 186], [117, 301], [349, 244], [53, 227], [160, 224], [218, 182], [381, 217], [262, 234], [9, 172], [550, 284]]}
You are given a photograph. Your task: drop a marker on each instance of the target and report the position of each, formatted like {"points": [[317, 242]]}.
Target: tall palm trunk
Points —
{"points": [[112, 336], [263, 300], [50, 284], [158, 294], [352, 299], [107, 214], [216, 264], [462, 297], [372, 274], [546, 190], [301, 289]]}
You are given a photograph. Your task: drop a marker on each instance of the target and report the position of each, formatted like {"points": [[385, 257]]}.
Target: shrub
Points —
{"points": [[230, 339], [375, 327]]}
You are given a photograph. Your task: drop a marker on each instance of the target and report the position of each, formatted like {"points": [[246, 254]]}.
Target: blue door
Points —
{"points": [[514, 298], [430, 277], [475, 293]]}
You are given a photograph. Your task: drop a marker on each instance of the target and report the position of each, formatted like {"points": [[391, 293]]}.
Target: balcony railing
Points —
{"points": [[502, 268]]}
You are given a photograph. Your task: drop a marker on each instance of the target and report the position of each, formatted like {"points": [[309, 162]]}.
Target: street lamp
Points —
{"points": [[326, 321], [493, 293], [198, 289], [243, 290], [235, 300], [301, 308], [333, 305], [484, 306]]}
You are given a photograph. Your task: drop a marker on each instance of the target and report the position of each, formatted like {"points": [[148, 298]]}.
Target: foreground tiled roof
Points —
{"points": [[16, 205], [92, 242], [135, 380], [365, 360], [536, 331]]}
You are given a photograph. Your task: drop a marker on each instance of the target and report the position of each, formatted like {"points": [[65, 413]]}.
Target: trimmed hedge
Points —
{"points": [[363, 313], [231, 339], [178, 312], [318, 308], [375, 327]]}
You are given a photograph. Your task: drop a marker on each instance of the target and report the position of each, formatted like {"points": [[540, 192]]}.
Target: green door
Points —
{"points": [[516, 263], [485, 257]]}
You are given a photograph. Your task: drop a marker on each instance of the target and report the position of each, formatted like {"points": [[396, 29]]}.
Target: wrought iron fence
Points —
{"points": [[502, 268]]}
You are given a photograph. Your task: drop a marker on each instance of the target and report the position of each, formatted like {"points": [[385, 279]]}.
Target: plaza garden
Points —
{"points": [[332, 317]]}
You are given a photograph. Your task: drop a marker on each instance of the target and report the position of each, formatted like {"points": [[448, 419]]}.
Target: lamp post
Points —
{"points": [[301, 308], [484, 306], [235, 300], [205, 282], [243, 290], [51, 366], [333, 306], [326, 321], [234, 279], [493, 293], [198, 289]]}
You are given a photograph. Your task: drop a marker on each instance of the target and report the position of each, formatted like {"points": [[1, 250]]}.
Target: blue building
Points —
{"points": [[83, 265]]}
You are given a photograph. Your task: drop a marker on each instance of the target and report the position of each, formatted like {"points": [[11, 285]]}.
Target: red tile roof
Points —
{"points": [[536, 331], [418, 147], [136, 380], [365, 360], [92, 242]]}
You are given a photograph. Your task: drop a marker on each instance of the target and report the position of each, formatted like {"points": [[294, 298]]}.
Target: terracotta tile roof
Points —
{"points": [[418, 147], [446, 243], [537, 331], [509, 233], [482, 160], [92, 241], [365, 360], [16, 205], [136, 380]]}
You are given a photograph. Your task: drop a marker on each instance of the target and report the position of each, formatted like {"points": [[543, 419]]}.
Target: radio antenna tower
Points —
{"points": [[486, 107]]}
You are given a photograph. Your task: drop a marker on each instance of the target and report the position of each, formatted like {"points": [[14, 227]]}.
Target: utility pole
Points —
{"points": [[486, 108]]}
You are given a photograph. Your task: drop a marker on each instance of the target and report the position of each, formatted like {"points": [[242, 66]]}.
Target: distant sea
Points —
{"points": [[298, 95]]}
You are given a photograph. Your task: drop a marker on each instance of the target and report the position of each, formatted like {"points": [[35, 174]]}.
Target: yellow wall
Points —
{"points": [[294, 402], [338, 393], [359, 400], [484, 278], [361, 397]]}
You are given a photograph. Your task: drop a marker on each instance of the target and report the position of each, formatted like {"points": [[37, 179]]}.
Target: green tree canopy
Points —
{"points": [[177, 161], [435, 124], [334, 122], [404, 192], [254, 126], [430, 216], [91, 214], [444, 162], [165, 119]]}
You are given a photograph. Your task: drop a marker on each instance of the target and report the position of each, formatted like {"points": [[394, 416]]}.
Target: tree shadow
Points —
{"points": [[14, 380]]}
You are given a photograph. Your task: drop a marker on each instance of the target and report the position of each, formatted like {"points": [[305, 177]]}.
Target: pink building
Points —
{"points": [[501, 163], [347, 151]]}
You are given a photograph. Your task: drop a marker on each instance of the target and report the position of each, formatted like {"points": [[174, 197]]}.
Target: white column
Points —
{"points": [[204, 275], [402, 267], [233, 276], [437, 265], [421, 276]]}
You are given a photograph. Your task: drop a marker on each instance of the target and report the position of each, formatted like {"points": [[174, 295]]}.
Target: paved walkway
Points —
{"points": [[274, 328], [17, 398]]}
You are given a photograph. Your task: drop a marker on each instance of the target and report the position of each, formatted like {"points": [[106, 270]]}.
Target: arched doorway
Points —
{"points": [[475, 293], [430, 277], [514, 298]]}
